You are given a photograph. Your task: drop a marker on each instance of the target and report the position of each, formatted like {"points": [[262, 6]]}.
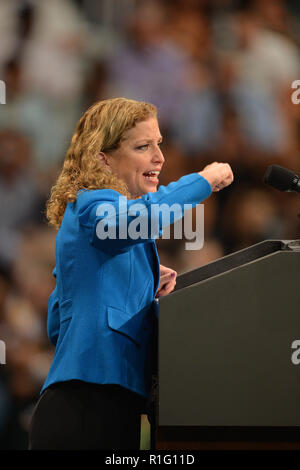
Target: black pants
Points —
{"points": [[78, 415]]}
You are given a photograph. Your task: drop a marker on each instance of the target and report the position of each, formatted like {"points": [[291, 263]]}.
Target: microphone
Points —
{"points": [[282, 179]]}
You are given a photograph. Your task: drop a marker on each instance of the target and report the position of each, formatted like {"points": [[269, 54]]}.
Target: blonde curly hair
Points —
{"points": [[100, 129]]}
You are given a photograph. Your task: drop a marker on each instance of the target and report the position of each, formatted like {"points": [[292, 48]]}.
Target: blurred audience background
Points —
{"points": [[220, 73]]}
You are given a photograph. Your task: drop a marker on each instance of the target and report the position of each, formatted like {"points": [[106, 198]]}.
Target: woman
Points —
{"points": [[101, 314]]}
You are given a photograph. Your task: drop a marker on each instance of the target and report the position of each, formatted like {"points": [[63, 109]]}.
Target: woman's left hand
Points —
{"points": [[167, 281]]}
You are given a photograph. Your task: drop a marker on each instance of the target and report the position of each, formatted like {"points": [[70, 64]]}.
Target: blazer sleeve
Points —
{"points": [[96, 208], [53, 320]]}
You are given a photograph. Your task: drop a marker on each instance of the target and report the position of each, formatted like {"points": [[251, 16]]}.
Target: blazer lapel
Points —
{"points": [[156, 267]]}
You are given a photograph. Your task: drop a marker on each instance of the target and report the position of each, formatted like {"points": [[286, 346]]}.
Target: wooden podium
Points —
{"points": [[228, 372]]}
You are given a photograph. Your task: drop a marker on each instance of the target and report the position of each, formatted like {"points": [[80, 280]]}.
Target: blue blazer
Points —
{"points": [[101, 312]]}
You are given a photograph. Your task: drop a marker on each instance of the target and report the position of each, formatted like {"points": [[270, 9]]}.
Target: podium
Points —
{"points": [[229, 353]]}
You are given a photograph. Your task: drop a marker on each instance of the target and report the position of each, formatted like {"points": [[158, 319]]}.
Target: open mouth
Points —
{"points": [[151, 176]]}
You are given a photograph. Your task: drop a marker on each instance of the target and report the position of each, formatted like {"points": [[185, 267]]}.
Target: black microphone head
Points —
{"points": [[280, 178]]}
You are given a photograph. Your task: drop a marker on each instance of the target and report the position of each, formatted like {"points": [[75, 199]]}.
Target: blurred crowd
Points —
{"points": [[220, 74]]}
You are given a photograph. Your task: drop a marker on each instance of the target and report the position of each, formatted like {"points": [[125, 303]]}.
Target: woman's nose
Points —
{"points": [[158, 156]]}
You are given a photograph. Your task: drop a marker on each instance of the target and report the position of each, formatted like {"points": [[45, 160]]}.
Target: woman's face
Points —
{"points": [[137, 157]]}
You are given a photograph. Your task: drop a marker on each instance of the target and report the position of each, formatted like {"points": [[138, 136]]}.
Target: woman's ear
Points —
{"points": [[103, 160]]}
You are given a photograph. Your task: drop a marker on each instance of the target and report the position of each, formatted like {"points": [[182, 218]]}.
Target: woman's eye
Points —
{"points": [[146, 146], [143, 147]]}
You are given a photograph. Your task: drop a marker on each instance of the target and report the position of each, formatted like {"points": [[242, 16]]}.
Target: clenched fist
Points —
{"points": [[219, 175], [167, 281]]}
